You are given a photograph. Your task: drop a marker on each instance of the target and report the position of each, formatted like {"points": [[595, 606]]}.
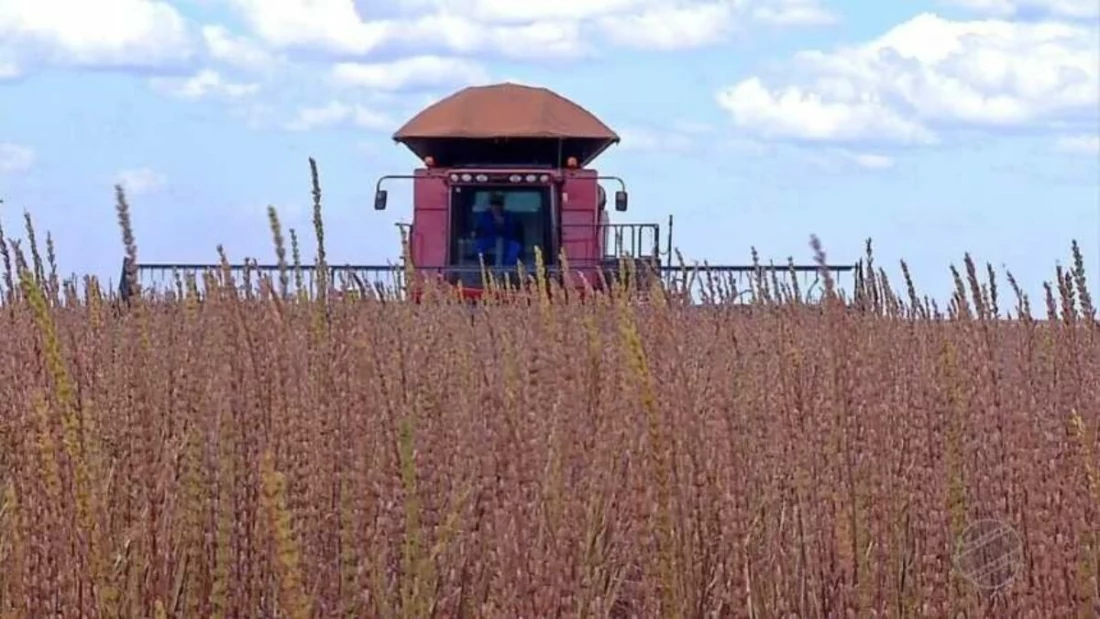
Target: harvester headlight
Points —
{"points": [[454, 178], [545, 178], [531, 178], [466, 178], [515, 178], [482, 178]]}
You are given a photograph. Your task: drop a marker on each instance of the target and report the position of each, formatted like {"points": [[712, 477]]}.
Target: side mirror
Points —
{"points": [[620, 201], [380, 200]]}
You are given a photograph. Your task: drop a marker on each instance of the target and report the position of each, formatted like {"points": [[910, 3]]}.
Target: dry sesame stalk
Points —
{"points": [[280, 250], [1088, 311], [412, 586], [64, 396], [670, 585], [220, 602], [51, 257], [12, 554], [9, 281], [293, 602], [192, 536], [32, 239], [122, 208], [319, 231], [50, 471], [1089, 583], [296, 254]]}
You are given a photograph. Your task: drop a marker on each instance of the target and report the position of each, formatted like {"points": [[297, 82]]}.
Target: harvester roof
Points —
{"points": [[506, 115]]}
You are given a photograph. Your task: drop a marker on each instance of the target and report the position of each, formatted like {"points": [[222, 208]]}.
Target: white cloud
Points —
{"points": [[205, 83], [566, 29], [926, 76], [797, 113], [793, 13], [327, 25], [141, 181], [678, 136], [411, 73], [235, 50], [872, 161], [1073, 9], [335, 27], [445, 32], [684, 25], [511, 12], [838, 160], [671, 27], [102, 34], [643, 139], [1079, 144], [337, 113], [15, 158]]}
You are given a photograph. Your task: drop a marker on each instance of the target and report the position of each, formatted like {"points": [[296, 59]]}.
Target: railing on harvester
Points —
{"points": [[717, 283], [175, 278], [637, 247]]}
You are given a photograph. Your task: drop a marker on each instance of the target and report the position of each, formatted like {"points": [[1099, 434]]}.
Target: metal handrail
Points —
{"points": [[381, 277], [634, 240]]}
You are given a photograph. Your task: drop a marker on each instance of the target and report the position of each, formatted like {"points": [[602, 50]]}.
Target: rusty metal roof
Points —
{"points": [[505, 111]]}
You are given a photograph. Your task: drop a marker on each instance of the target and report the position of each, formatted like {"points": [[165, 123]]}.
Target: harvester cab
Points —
{"points": [[531, 149]]}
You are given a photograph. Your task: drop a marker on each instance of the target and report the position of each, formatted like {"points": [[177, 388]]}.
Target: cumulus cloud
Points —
{"points": [[141, 181], [517, 30], [411, 73], [328, 25], [1079, 144], [15, 158], [793, 13], [205, 83], [869, 161], [104, 34], [235, 50], [678, 136], [338, 113], [671, 27], [1072, 9], [927, 76], [839, 160], [150, 35], [9, 69], [511, 12], [804, 114]]}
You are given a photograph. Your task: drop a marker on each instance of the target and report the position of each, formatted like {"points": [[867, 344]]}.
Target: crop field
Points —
{"points": [[257, 454]]}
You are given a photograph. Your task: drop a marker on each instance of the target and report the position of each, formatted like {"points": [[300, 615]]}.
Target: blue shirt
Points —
{"points": [[487, 226]]}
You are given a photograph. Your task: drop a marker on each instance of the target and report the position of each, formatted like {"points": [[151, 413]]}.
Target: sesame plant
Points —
{"points": [[281, 450]]}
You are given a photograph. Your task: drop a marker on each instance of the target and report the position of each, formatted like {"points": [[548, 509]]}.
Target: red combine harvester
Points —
{"points": [[529, 150]]}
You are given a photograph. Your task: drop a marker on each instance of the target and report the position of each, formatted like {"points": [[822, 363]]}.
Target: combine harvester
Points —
{"points": [[531, 149]]}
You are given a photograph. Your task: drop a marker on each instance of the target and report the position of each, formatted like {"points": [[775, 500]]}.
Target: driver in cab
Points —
{"points": [[495, 225]]}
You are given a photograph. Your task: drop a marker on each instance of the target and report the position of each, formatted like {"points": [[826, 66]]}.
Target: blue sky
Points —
{"points": [[934, 127]]}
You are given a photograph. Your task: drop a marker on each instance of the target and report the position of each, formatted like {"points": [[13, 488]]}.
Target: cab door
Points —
{"points": [[579, 219], [431, 203]]}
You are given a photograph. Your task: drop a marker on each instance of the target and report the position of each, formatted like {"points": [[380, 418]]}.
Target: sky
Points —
{"points": [[932, 127]]}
